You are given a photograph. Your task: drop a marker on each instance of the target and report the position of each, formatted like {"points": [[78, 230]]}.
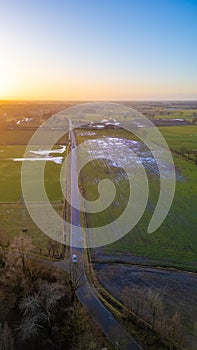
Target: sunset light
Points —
{"points": [[4, 85], [98, 174], [98, 50]]}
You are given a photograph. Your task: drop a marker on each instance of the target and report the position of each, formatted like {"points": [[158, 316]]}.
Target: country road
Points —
{"points": [[112, 329]]}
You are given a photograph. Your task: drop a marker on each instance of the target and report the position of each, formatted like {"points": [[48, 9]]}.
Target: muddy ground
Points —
{"points": [[178, 290]]}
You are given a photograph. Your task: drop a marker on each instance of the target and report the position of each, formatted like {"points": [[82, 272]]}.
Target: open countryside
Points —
{"points": [[98, 175], [156, 264]]}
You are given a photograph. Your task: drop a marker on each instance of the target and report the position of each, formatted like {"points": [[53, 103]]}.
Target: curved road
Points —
{"points": [[113, 330]]}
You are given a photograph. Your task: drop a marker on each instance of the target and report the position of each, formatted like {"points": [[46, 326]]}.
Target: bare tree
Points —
{"points": [[74, 278], [33, 319], [6, 338], [149, 306], [19, 248], [53, 247], [4, 240], [135, 301], [154, 302], [38, 309]]}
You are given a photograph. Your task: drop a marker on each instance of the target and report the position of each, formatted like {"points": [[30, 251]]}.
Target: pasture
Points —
{"points": [[180, 136], [10, 174], [174, 243], [179, 114], [11, 222]]}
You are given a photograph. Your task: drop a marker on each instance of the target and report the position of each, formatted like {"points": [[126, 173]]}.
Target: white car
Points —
{"points": [[74, 258]]}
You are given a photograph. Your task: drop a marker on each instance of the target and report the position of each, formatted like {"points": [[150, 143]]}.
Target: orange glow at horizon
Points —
{"points": [[20, 84], [49, 95]]}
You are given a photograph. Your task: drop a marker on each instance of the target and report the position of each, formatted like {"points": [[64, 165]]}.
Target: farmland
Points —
{"points": [[12, 225], [181, 113], [143, 260], [15, 137], [176, 289], [147, 262], [10, 172], [10, 195], [174, 243], [178, 137]]}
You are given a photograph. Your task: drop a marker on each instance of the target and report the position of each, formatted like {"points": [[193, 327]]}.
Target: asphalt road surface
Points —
{"points": [[113, 330]]}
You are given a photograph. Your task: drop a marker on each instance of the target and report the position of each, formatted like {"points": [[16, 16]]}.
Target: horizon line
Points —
{"points": [[99, 100]]}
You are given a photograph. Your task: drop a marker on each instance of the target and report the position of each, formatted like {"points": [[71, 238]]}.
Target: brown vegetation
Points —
{"points": [[38, 309], [150, 308]]}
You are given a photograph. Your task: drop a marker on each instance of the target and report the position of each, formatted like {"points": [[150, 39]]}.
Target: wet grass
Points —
{"points": [[10, 175], [11, 222], [175, 241], [83, 134]]}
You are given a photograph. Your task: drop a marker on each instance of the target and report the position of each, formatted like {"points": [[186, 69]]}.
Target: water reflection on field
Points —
{"points": [[115, 147], [44, 154]]}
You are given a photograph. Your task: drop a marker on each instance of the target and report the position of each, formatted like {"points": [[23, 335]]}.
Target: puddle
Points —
{"points": [[46, 152], [43, 155], [87, 133], [56, 160]]}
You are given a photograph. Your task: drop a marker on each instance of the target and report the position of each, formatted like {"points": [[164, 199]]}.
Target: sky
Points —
{"points": [[98, 49]]}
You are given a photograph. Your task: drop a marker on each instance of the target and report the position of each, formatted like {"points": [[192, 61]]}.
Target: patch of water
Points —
{"points": [[115, 147], [56, 160], [44, 154], [86, 133]]}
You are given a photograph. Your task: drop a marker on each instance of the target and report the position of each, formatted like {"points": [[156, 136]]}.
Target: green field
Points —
{"points": [[182, 114], [15, 137], [175, 241], [10, 196], [23, 136], [10, 174], [180, 136], [12, 225]]}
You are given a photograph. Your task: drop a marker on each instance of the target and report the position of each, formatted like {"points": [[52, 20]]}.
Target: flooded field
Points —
{"points": [[174, 243], [132, 261], [115, 149]]}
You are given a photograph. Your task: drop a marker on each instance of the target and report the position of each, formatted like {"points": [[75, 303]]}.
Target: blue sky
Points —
{"points": [[99, 49]]}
